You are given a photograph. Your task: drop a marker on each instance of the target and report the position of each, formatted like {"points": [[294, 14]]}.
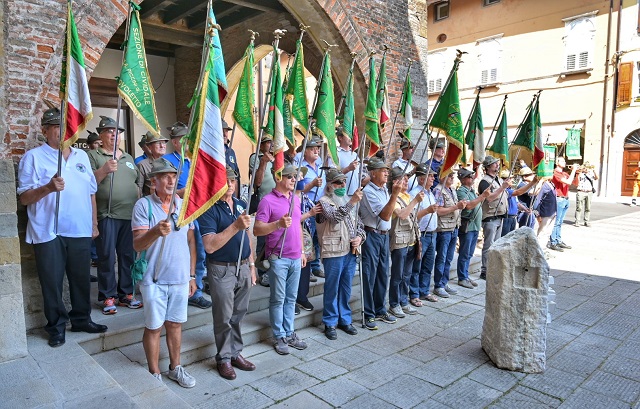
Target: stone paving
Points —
{"points": [[429, 360]]}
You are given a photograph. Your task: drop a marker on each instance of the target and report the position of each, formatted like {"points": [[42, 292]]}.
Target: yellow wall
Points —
{"points": [[533, 55]]}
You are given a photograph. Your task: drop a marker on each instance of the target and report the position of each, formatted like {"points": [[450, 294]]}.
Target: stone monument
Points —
{"points": [[514, 332]]}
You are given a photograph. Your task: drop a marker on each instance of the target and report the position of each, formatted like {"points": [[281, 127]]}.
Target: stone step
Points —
{"points": [[198, 342]]}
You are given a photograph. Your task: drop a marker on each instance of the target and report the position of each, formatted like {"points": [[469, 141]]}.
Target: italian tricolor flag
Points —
{"points": [[74, 89], [275, 121]]}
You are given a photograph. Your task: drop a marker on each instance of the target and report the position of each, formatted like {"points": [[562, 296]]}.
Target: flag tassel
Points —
{"points": [[395, 118]]}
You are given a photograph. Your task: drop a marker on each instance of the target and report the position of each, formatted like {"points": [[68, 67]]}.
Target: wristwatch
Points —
{"points": [[252, 264]]}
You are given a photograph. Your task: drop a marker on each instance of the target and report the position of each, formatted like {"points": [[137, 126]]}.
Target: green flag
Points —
{"points": [[349, 115], [297, 89], [287, 119], [275, 120], [475, 134], [500, 146], [405, 108], [134, 84], [527, 144], [573, 143], [447, 120], [371, 111], [325, 112], [244, 109]]}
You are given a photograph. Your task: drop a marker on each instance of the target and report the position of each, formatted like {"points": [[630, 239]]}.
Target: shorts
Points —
{"points": [[164, 302]]}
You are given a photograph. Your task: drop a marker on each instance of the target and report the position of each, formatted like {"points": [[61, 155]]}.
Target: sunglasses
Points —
{"points": [[338, 183], [290, 177], [174, 217]]}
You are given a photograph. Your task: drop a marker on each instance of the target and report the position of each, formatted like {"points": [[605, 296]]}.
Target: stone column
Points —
{"points": [[13, 338], [514, 332]]}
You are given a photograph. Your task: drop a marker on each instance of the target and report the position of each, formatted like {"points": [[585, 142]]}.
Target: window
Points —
{"points": [[489, 2], [436, 71], [579, 42], [441, 10], [625, 79], [638, 71], [490, 59]]}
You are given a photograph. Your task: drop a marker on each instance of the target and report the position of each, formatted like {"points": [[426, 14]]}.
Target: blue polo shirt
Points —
{"points": [[216, 220], [174, 158], [140, 158]]}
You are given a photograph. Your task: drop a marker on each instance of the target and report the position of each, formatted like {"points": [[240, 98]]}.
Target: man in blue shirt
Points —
{"points": [[224, 228]]}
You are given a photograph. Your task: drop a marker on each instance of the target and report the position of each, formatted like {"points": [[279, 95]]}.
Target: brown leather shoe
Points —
{"points": [[242, 364], [226, 370]]}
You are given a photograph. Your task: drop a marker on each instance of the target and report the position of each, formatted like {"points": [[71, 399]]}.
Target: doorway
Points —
{"points": [[630, 160]]}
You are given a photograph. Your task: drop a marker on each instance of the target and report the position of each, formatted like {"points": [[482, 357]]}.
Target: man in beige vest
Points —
{"points": [[494, 208], [340, 232]]}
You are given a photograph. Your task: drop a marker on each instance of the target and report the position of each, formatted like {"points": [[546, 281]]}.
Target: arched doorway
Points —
{"points": [[630, 161]]}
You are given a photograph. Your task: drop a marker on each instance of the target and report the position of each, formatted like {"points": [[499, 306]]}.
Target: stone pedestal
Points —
{"points": [[515, 321]]}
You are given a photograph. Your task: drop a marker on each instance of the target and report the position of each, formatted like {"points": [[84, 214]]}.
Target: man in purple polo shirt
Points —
{"points": [[272, 220]]}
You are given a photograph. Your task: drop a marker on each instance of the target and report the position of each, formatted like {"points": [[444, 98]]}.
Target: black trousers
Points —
{"points": [[54, 258], [116, 238]]}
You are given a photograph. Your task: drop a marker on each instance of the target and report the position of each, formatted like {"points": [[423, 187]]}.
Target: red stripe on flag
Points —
{"points": [[210, 176], [538, 155], [74, 120], [222, 93], [278, 163], [383, 117], [355, 141], [453, 154], [373, 148]]}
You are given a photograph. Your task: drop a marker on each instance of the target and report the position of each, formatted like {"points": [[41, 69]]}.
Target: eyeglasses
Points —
{"points": [[174, 217], [290, 177], [338, 183]]}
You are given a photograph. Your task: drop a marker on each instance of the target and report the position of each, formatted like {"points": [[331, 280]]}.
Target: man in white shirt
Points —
{"points": [[66, 249], [349, 164]]}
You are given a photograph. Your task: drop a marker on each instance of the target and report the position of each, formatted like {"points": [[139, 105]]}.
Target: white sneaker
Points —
{"points": [[408, 309], [440, 292], [181, 376], [157, 376], [450, 290], [397, 311]]}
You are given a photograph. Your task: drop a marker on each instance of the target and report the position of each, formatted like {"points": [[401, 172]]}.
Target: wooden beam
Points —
{"points": [[182, 10], [148, 7], [252, 5], [238, 18], [175, 37]]}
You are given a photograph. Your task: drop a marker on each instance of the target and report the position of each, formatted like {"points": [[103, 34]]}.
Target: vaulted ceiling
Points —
{"points": [[168, 24]]}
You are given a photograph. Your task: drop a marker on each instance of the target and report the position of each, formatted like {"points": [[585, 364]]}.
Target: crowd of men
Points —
{"points": [[318, 219]]}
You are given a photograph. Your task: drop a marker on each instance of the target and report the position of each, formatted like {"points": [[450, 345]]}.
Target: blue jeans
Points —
{"points": [[421, 275], [200, 261], [338, 273], [562, 207], [284, 274], [375, 264], [445, 248], [508, 225], [468, 242], [401, 267]]}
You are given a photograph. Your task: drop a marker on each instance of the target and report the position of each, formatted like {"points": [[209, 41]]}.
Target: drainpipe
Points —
{"points": [[614, 107], [603, 130]]}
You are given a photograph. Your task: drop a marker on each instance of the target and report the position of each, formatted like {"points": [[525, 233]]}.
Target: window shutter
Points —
{"points": [[583, 60], [484, 77], [571, 62], [625, 78], [438, 87], [494, 75]]}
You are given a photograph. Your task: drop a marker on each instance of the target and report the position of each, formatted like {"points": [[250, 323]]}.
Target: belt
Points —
{"points": [[424, 233], [234, 264], [512, 216], [492, 218], [563, 197], [585, 191], [371, 229]]}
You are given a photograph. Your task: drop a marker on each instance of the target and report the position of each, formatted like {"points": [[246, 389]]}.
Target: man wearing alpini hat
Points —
{"points": [[170, 276], [67, 249], [115, 207], [224, 234], [156, 147]]}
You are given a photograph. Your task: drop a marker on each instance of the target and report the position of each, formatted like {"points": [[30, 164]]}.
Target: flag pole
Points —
{"points": [[207, 45], [395, 118], [304, 146], [456, 63], [252, 174], [354, 55], [385, 48], [59, 173], [119, 108], [493, 130]]}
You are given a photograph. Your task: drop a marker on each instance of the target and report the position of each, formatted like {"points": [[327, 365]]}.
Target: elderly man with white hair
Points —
{"points": [[340, 232]]}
